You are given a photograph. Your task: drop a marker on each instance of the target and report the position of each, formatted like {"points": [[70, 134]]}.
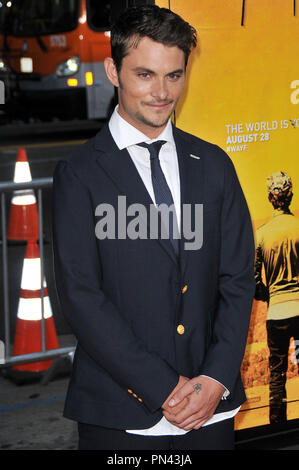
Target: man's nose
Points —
{"points": [[160, 89]]}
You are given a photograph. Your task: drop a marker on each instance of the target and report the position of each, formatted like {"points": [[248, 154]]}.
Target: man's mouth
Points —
{"points": [[159, 106]]}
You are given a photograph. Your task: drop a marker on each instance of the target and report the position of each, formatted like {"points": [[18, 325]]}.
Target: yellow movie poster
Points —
{"points": [[242, 94]]}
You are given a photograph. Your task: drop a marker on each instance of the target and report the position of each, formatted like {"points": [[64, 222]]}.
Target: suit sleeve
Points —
{"points": [[236, 284], [96, 322]]}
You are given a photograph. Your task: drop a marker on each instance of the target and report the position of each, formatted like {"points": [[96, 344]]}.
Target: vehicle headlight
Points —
{"points": [[2, 65], [68, 67]]}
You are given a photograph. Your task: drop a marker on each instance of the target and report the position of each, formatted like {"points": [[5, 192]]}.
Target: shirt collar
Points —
{"points": [[125, 135]]}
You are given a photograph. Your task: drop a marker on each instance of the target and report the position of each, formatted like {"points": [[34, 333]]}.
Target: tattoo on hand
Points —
{"points": [[197, 388]]}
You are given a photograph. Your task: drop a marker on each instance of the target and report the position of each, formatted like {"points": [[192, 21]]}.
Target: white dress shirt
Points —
{"points": [[127, 136]]}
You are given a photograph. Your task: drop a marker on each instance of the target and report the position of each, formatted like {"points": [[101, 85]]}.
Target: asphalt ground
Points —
{"points": [[31, 413]]}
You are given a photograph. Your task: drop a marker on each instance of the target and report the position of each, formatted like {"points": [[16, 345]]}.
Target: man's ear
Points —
{"points": [[111, 71]]}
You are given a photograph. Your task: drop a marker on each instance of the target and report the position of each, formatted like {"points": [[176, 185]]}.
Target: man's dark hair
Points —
{"points": [[281, 200], [159, 24]]}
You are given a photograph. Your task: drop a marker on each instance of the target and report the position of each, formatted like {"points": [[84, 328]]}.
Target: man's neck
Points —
{"points": [[150, 131], [281, 210]]}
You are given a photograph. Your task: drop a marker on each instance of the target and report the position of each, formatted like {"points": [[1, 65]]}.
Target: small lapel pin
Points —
{"points": [[194, 156]]}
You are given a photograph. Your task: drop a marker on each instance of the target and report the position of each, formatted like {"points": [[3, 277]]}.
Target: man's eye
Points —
{"points": [[144, 75], [174, 76]]}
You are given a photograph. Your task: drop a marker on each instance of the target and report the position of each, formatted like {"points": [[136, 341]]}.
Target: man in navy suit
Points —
{"points": [[161, 321]]}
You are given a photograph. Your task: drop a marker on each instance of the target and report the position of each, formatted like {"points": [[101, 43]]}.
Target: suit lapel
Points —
{"points": [[120, 168], [191, 168]]}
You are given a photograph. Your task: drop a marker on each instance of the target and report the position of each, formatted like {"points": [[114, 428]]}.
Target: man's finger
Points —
{"points": [[180, 394], [200, 424], [195, 419], [192, 425], [182, 416], [177, 408]]}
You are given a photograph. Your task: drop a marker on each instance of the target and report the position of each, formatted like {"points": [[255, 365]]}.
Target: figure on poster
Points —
{"points": [[277, 250]]}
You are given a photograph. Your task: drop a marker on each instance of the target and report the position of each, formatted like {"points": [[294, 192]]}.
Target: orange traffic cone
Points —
{"points": [[23, 219], [28, 336]]}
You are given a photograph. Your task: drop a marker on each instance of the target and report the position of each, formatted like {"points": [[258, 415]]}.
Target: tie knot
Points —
{"points": [[153, 148]]}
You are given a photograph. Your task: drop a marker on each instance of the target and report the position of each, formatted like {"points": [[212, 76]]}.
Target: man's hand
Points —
{"points": [[176, 408], [203, 395]]}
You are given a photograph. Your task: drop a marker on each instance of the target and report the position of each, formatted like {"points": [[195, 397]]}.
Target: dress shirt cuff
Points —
{"points": [[226, 392]]}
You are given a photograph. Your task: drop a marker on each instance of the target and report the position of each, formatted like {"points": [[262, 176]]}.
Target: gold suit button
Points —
{"points": [[140, 399], [130, 391], [134, 395], [180, 329], [184, 289]]}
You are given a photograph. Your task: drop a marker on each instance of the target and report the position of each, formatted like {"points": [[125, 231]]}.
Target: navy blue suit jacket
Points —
{"points": [[123, 298]]}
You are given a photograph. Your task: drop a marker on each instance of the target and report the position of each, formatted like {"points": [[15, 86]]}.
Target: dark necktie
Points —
{"points": [[162, 191]]}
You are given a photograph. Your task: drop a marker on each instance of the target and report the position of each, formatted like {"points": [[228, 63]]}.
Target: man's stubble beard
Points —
{"points": [[141, 118]]}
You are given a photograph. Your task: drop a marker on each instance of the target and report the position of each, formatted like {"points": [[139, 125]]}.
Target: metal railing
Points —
{"points": [[8, 359]]}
